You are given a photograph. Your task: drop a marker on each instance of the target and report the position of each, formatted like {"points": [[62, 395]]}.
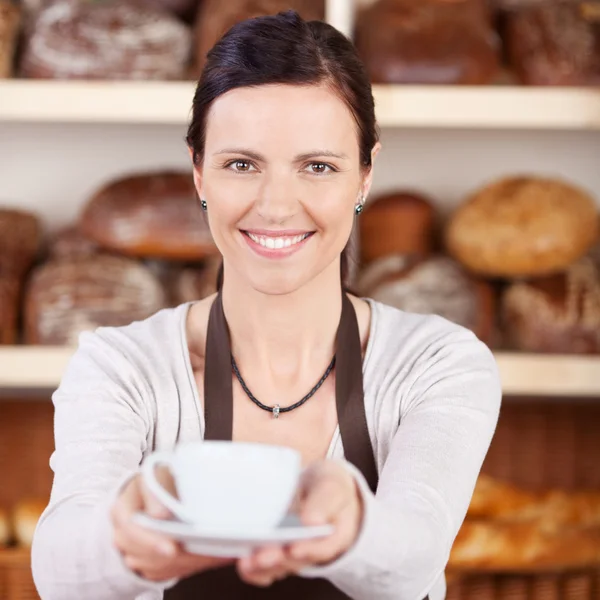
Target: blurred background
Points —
{"points": [[485, 210]]}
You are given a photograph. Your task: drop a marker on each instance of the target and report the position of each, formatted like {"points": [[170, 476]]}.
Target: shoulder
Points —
{"points": [[126, 355], [408, 352]]}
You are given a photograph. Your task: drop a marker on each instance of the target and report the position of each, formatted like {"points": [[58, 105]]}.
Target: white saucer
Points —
{"points": [[232, 545]]}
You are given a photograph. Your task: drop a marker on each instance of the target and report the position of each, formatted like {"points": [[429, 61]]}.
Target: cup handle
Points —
{"points": [[149, 478]]}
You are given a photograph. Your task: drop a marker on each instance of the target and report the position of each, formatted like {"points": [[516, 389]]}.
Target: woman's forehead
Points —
{"points": [[303, 116]]}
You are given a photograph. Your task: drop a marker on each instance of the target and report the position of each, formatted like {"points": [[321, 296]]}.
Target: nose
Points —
{"points": [[277, 202]]}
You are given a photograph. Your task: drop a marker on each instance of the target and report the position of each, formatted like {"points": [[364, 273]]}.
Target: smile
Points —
{"points": [[277, 242]]}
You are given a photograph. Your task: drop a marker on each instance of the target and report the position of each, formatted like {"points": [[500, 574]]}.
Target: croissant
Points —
{"points": [[501, 501], [524, 546]]}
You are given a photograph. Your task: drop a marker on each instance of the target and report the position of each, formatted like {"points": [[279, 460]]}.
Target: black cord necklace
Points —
{"points": [[277, 409]]}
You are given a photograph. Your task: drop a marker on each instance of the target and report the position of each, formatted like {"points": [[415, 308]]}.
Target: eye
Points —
{"points": [[240, 166], [319, 168]]}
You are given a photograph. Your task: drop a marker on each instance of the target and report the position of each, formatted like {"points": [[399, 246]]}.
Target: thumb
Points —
{"points": [[152, 505], [324, 495]]}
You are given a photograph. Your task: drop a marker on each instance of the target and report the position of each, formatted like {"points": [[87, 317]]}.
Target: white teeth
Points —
{"points": [[277, 242]]}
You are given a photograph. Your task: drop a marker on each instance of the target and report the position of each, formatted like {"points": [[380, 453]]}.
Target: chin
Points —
{"points": [[277, 284]]}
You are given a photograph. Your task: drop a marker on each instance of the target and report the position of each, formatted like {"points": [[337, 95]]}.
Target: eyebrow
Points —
{"points": [[299, 157]]}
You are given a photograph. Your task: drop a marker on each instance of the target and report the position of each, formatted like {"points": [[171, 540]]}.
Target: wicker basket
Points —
{"points": [[16, 581], [540, 444]]}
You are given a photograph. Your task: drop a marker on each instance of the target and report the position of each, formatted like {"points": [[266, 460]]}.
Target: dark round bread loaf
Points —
{"points": [[106, 40], [555, 43], [435, 285], [20, 238], [10, 20], [522, 227], [68, 296], [397, 223], [154, 215], [216, 17], [557, 314], [69, 242], [9, 308], [428, 42]]}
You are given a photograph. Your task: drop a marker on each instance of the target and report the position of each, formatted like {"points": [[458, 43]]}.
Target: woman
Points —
{"points": [[283, 141]]}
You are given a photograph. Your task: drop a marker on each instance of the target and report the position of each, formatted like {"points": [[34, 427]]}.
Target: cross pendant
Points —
{"points": [[276, 411]]}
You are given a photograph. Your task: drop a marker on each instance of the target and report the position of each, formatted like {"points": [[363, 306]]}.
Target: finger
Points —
{"points": [[152, 506]]}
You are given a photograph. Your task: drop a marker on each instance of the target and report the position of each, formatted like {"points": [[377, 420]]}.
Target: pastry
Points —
{"points": [[67, 296], [437, 285], [105, 40], [559, 313], [25, 517], [428, 42], [522, 227], [10, 20], [216, 17], [397, 223], [555, 43], [154, 215]]}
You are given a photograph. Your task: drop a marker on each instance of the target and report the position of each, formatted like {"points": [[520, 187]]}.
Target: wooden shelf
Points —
{"points": [[169, 103], [41, 367]]}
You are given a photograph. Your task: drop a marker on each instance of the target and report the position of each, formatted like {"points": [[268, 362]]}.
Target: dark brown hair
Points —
{"points": [[285, 49]]}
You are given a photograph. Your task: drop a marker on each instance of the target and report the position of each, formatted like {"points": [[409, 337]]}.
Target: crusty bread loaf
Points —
{"points": [[153, 215], [106, 40], [559, 314], [68, 296], [436, 285], [20, 236], [555, 43], [428, 42], [5, 529], [216, 17], [70, 242], [196, 283], [9, 308], [25, 517], [397, 223], [10, 20], [522, 226]]}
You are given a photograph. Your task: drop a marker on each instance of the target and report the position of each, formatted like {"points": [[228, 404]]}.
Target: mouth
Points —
{"points": [[277, 241], [276, 244]]}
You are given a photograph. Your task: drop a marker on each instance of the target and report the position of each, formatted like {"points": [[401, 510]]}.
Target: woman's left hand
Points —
{"points": [[328, 494]]}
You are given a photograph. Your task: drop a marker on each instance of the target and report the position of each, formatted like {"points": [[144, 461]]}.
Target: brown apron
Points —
{"points": [[224, 583]]}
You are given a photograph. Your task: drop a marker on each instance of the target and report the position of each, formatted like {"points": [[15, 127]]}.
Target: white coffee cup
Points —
{"points": [[227, 487]]}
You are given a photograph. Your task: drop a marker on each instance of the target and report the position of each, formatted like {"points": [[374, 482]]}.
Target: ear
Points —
{"points": [[368, 180], [197, 174]]}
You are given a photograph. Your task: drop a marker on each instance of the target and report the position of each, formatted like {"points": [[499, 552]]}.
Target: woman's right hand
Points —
{"points": [[151, 555]]}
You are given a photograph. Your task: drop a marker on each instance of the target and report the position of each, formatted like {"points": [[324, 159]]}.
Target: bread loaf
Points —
{"points": [[5, 530], [216, 17], [428, 42], [555, 43], [69, 242], [10, 20], [149, 216], [559, 314], [68, 296], [25, 517], [397, 223], [436, 285], [522, 227], [20, 235], [9, 309], [196, 283], [106, 40]]}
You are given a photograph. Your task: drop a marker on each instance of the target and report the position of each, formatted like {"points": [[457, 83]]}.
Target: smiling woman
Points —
{"points": [[392, 413]]}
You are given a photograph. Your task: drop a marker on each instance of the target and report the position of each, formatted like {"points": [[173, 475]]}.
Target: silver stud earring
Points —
{"points": [[203, 204], [360, 206]]}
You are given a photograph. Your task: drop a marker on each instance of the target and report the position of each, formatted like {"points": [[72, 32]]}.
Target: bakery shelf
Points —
{"points": [[484, 107], [40, 368]]}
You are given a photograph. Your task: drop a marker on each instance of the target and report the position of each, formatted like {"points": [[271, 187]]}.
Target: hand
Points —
{"points": [[328, 493], [151, 555]]}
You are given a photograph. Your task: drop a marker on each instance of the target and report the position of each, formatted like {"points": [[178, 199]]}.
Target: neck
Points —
{"points": [[287, 337]]}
